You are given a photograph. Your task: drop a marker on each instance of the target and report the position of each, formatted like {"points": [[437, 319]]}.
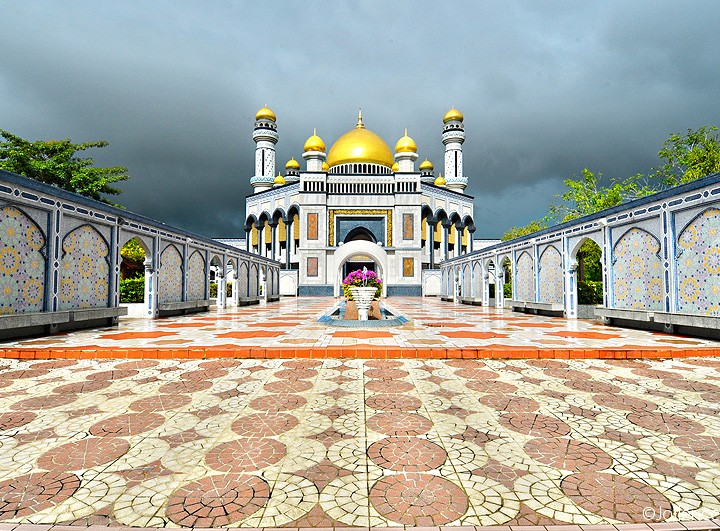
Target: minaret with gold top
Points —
{"points": [[265, 137], [406, 154], [453, 137]]}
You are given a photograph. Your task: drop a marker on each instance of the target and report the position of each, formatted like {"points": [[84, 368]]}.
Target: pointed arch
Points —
{"points": [[698, 264], [170, 276], [22, 263], [637, 271]]}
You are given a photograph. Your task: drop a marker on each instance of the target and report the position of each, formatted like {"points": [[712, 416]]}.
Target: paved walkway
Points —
{"points": [[254, 441], [333, 443], [290, 329]]}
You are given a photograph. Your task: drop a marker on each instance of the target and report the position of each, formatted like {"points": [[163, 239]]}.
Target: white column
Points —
{"points": [[151, 290], [221, 296]]}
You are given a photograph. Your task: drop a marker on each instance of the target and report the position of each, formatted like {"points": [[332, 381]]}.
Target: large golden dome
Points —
{"points": [[360, 145]]}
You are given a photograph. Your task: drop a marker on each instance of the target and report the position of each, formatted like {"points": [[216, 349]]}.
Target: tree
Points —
{"points": [[516, 232], [55, 162], [690, 157], [585, 196]]}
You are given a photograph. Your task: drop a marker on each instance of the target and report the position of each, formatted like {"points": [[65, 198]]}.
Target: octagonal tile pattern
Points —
{"points": [[369, 443]]}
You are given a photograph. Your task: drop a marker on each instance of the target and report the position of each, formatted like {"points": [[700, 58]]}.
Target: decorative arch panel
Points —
{"points": [[698, 265], [551, 276], [170, 277], [196, 277], [637, 271], [22, 263], [525, 277], [84, 270]]}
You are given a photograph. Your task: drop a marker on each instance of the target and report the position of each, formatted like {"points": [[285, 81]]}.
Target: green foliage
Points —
{"points": [[507, 290], [585, 196], [132, 251], [590, 254], [590, 292], [690, 157], [516, 232], [55, 162], [214, 290], [132, 290]]}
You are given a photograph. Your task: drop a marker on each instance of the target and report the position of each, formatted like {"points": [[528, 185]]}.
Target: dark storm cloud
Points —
{"points": [[547, 88]]}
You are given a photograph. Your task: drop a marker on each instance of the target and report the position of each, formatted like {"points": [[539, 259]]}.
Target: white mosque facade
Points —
{"points": [[359, 204]]}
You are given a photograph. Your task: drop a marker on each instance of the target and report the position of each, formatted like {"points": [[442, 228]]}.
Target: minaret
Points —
{"points": [[265, 137], [406, 154], [292, 171], [453, 137], [427, 173], [314, 152]]}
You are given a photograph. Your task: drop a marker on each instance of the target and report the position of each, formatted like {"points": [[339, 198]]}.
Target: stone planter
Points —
{"points": [[363, 298]]}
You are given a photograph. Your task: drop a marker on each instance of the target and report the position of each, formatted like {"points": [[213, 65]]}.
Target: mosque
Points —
{"points": [[358, 204]]}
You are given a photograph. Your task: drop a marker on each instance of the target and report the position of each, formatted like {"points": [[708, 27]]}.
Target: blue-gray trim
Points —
{"points": [[121, 214], [659, 196], [403, 290], [323, 290]]}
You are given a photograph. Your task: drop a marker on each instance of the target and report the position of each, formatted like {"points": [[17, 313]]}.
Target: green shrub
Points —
{"points": [[590, 292], [507, 290], [132, 290], [213, 289]]}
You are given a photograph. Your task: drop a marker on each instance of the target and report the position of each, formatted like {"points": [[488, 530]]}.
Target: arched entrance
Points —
{"points": [[356, 254]]}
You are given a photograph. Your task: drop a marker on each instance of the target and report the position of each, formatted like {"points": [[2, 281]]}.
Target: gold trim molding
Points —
{"points": [[360, 212]]}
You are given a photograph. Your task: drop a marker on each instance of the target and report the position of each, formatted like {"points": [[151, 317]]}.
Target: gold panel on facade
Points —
{"points": [[254, 236], [408, 226], [408, 267], [296, 227], [438, 232], [423, 229], [465, 237], [369, 212], [312, 226], [451, 235], [282, 231]]}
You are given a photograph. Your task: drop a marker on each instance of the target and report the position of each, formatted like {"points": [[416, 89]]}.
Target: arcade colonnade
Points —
{"points": [[660, 262], [60, 261], [278, 236]]}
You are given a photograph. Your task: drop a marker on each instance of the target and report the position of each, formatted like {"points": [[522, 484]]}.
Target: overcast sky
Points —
{"points": [[547, 88]]}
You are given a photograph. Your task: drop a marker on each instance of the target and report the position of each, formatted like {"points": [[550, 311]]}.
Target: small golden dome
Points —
{"points": [[279, 180], [453, 114], [406, 145], [395, 167], [440, 181], [360, 145], [314, 143], [265, 114], [325, 166], [292, 164], [426, 165]]}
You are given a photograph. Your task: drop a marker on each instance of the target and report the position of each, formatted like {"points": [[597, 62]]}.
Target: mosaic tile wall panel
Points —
{"points": [[637, 272], [170, 276], [196, 277], [467, 281], [242, 280], [525, 278], [408, 226], [551, 276], [22, 264], [253, 281], [698, 265], [84, 270], [312, 266]]}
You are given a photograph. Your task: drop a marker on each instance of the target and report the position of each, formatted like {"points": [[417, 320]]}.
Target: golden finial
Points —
{"points": [[406, 131], [360, 124]]}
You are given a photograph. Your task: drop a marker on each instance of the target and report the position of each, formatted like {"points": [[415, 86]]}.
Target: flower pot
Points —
{"points": [[363, 298]]}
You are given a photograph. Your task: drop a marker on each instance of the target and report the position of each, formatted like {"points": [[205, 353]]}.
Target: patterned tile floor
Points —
{"points": [[309, 443], [290, 328], [335, 443]]}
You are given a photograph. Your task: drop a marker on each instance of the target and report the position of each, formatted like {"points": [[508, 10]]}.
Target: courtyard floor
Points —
{"points": [[290, 329], [337, 442]]}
